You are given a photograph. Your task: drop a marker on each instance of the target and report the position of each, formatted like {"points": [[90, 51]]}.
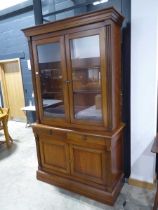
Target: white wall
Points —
{"points": [[144, 48]]}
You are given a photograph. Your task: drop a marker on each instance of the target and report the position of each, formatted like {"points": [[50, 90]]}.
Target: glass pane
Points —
{"points": [[50, 6], [51, 79], [85, 58]]}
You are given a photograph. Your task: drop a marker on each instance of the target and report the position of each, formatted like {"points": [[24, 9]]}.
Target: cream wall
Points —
{"points": [[144, 69]]}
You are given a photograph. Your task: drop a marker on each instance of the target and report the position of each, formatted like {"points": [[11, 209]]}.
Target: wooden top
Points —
{"points": [[84, 19], [154, 148]]}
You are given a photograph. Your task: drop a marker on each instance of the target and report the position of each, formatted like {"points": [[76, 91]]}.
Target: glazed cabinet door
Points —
{"points": [[54, 154], [50, 77], [87, 75], [88, 163]]}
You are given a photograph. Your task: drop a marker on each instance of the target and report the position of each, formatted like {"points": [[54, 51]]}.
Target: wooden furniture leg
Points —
{"points": [[6, 134], [156, 200]]}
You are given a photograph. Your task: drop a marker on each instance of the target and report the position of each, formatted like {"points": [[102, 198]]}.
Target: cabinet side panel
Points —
{"points": [[116, 75], [113, 71], [117, 158]]}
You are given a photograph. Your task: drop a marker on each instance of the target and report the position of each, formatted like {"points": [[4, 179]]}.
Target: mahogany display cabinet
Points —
{"points": [[76, 70]]}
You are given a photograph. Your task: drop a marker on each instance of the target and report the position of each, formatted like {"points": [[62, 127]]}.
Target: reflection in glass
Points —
{"points": [[50, 6], [51, 79], [85, 59]]}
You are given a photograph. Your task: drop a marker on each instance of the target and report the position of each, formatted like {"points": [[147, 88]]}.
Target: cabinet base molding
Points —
{"points": [[89, 191]]}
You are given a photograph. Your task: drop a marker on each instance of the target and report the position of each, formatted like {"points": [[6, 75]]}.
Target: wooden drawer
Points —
{"points": [[79, 138], [56, 134]]}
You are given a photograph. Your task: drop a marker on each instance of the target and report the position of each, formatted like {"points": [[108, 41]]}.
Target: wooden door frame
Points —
{"points": [[2, 79], [80, 34], [50, 40]]}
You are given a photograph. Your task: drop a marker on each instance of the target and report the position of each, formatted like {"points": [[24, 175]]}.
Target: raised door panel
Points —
{"points": [[51, 77], [88, 164], [54, 155]]}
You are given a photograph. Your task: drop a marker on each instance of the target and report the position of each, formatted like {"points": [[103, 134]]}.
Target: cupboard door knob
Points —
{"points": [[50, 132]]}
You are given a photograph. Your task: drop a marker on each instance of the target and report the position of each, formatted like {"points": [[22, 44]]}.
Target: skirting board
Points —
{"points": [[142, 184]]}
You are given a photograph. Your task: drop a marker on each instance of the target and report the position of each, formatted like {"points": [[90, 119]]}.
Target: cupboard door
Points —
{"points": [[87, 75], [54, 154], [50, 73], [88, 164]]}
